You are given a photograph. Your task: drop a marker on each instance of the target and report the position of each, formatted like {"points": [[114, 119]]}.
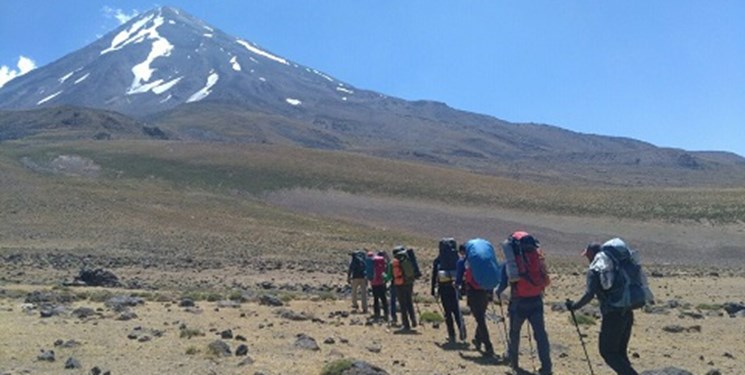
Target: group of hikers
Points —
{"points": [[475, 270]]}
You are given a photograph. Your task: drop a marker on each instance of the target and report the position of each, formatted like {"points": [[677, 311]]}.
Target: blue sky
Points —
{"points": [[667, 72]]}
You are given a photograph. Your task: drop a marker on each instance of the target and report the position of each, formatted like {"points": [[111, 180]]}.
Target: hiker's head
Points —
{"points": [[398, 249], [591, 250], [462, 250], [529, 243]]}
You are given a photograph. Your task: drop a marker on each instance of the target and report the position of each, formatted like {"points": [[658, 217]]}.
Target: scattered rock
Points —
{"points": [[292, 315], [714, 371], [270, 300], [121, 303], [226, 334], [246, 362], [667, 371], [240, 338], [306, 342], [219, 348], [126, 316], [733, 308], [375, 347], [242, 350], [329, 340], [363, 368], [46, 355], [98, 277], [72, 363], [186, 302], [673, 328], [83, 312]]}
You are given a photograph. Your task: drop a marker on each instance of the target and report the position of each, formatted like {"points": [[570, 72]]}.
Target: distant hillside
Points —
{"points": [[184, 79]]}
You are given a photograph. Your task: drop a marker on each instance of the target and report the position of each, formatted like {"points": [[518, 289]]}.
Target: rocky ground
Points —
{"points": [[280, 322]]}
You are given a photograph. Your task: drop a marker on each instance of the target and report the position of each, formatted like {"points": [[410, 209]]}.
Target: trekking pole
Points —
{"points": [[587, 357], [530, 343], [504, 324], [502, 334]]}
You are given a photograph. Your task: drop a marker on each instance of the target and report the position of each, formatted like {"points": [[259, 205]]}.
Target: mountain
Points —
{"points": [[191, 81]]}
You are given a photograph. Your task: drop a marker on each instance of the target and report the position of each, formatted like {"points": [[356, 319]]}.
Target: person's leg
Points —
{"points": [[449, 305], [628, 326], [536, 320], [355, 290], [384, 301], [479, 302], [516, 323], [364, 296], [410, 304], [402, 300], [611, 343], [394, 299], [376, 300]]}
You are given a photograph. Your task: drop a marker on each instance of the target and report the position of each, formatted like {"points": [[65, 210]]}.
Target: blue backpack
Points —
{"points": [[482, 262]]}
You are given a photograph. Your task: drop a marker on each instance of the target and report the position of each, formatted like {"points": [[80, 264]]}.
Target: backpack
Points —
{"points": [[403, 268], [369, 266], [448, 254], [629, 290], [483, 267], [379, 268], [526, 265], [358, 265]]}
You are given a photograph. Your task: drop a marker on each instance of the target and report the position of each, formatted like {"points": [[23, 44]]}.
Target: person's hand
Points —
{"points": [[569, 304], [349, 280]]}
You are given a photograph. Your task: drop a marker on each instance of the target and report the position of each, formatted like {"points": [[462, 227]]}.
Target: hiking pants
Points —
{"points": [[359, 286], [449, 300], [379, 300], [530, 309], [615, 332], [478, 301], [394, 295], [406, 300]]}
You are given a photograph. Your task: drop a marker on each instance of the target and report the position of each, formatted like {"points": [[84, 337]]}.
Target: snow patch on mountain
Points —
{"points": [[323, 76], [207, 35], [48, 98], [293, 102], [166, 86], [65, 77], [343, 89], [128, 36], [262, 52], [81, 79], [234, 62], [161, 47], [206, 90]]}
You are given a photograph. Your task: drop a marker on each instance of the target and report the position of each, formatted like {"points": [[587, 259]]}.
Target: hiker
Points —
{"points": [[443, 285], [356, 277], [377, 281], [388, 278], [402, 270], [480, 276], [525, 273], [604, 282]]}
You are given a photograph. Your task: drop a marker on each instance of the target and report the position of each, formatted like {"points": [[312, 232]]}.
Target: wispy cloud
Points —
{"points": [[118, 14], [24, 66]]}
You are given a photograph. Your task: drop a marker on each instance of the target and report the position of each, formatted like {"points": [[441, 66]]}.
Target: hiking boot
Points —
{"points": [[463, 334], [451, 339], [477, 344], [488, 350], [541, 371]]}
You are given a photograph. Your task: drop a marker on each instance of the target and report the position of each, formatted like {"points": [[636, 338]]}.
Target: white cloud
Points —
{"points": [[24, 65], [119, 14]]}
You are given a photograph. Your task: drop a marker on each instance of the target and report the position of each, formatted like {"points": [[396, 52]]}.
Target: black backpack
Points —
{"points": [[448, 254], [358, 266]]}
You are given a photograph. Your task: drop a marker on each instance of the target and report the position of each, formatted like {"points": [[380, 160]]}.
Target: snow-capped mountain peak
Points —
{"points": [[164, 58]]}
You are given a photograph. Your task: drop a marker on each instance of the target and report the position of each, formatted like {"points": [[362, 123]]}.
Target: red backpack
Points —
{"points": [[531, 266], [379, 267]]}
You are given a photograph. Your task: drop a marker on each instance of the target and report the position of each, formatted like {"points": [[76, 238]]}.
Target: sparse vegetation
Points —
{"points": [[192, 350], [188, 333], [583, 319], [431, 317], [337, 367]]}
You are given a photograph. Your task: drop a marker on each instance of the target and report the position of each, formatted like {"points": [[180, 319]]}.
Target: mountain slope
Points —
{"points": [[197, 83]]}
